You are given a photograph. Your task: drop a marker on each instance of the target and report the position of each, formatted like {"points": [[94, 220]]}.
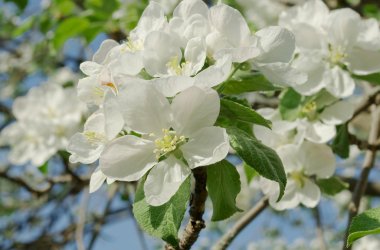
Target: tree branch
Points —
{"points": [[368, 163], [197, 208], [318, 221], [244, 221]]}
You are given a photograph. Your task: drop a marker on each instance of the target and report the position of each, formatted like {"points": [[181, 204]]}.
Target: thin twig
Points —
{"points": [[365, 105], [318, 221], [369, 161], [247, 218]]}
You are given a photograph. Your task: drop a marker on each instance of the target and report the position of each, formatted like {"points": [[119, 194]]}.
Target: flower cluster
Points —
{"points": [[330, 47], [46, 118], [155, 106]]}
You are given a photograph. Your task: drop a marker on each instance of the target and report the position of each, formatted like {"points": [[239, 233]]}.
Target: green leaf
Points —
{"points": [[162, 221], [372, 78], [263, 159], [223, 185], [232, 112], [332, 185], [341, 143], [364, 224], [68, 28], [44, 168], [290, 104], [250, 173], [25, 26], [248, 84]]}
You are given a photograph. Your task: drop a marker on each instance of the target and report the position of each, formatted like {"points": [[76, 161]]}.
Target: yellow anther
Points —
{"points": [[337, 54], [168, 143], [112, 86], [310, 110]]}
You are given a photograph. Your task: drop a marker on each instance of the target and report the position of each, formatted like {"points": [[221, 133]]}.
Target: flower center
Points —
{"points": [[175, 67], [309, 110], [133, 46], [298, 177], [94, 138], [168, 143], [337, 55]]}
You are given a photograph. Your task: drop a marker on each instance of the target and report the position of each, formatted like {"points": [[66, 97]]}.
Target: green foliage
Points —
{"points": [[223, 185], [21, 4], [44, 168], [290, 104], [332, 185], [68, 28], [162, 221], [233, 113], [246, 84], [250, 173], [341, 143], [263, 159], [372, 78], [371, 10], [25, 26], [364, 224], [102, 9]]}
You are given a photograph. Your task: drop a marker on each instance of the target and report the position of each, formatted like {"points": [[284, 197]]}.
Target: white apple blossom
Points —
{"points": [[311, 124], [331, 45], [45, 120], [301, 163], [176, 137], [270, 49]]}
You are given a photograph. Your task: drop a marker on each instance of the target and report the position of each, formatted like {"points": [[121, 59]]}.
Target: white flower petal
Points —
{"points": [[289, 200], [364, 62], [160, 49], [82, 150], [343, 27], [127, 158], [339, 82], [289, 157], [195, 55], [193, 109], [90, 68], [338, 113], [114, 121], [127, 63], [215, 74], [277, 43], [310, 194], [207, 146], [185, 9], [172, 85], [282, 74], [229, 22], [97, 179], [164, 180], [105, 47], [319, 133], [369, 36], [317, 159], [145, 110]]}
